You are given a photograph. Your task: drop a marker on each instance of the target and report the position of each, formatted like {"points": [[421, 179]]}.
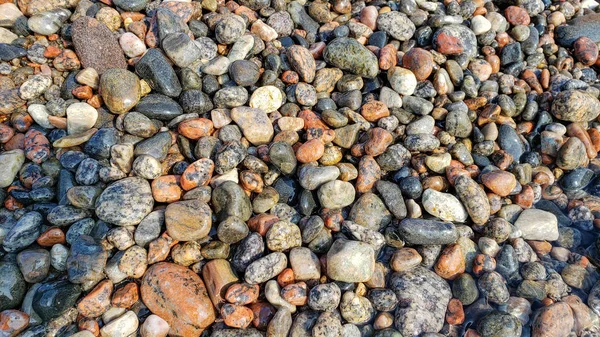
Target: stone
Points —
{"points": [[52, 299], [553, 320], [347, 54], [12, 286], [265, 268], [336, 194], [188, 220], [575, 106], [154, 68], [161, 290], [396, 24], [427, 232], [10, 164], [422, 300], [123, 326], [80, 117], [267, 98], [350, 261], [120, 90], [255, 124], [474, 199], [96, 46], [444, 206], [125, 202], [536, 224]]}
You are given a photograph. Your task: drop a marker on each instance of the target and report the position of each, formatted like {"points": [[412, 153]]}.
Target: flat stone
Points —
{"points": [[96, 46], [255, 124]]}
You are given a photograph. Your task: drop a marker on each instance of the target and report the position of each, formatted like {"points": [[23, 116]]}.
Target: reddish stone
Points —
{"points": [[218, 276], [368, 174], [419, 61], [197, 174], [310, 151], [577, 130], [195, 128], [242, 293], [455, 314], [184, 10], [261, 223], [51, 237], [405, 259], [83, 92], [517, 15], [6, 133], [178, 296], [525, 198], [499, 182], [312, 120], [12, 322], [166, 188], [388, 57], [97, 301], [52, 52], [295, 294], [236, 316], [158, 250], [585, 50], [451, 262], [126, 296], [89, 324], [37, 146], [554, 320], [448, 44], [368, 17], [290, 77], [379, 140], [374, 110], [251, 181], [286, 277], [67, 60], [262, 312]]}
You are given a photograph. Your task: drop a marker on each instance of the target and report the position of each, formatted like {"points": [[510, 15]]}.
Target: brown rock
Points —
{"points": [[405, 259], [96, 45], [166, 189], [368, 174], [218, 276], [517, 15], [126, 296], [310, 151], [499, 182], [97, 301], [388, 57], [178, 296], [236, 316], [419, 61], [197, 174], [455, 313], [188, 220], [12, 322], [379, 140], [451, 262], [242, 293], [555, 320], [448, 44], [195, 128], [51, 237], [302, 62], [374, 110]]}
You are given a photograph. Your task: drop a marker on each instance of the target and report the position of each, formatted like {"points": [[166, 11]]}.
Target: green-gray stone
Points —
{"points": [[348, 54]]}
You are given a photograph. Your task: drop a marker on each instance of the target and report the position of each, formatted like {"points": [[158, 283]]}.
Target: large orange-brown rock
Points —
{"points": [[178, 296], [553, 321]]}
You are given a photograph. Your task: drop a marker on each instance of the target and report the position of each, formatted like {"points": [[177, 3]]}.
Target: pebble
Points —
{"points": [[444, 206], [536, 224], [161, 288], [89, 38]]}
